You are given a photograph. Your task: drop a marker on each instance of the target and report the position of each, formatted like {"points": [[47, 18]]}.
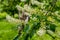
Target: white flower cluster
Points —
{"points": [[41, 32], [11, 19], [23, 0]]}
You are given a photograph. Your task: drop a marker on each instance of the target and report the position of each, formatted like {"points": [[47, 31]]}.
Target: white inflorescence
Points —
{"points": [[23, 0], [41, 32]]}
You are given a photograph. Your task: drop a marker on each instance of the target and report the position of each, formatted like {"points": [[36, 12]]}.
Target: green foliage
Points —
{"points": [[9, 6], [45, 15], [58, 3], [15, 15], [3, 15], [7, 30]]}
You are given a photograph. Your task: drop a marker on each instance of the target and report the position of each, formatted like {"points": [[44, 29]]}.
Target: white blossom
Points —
{"points": [[41, 32], [23, 0]]}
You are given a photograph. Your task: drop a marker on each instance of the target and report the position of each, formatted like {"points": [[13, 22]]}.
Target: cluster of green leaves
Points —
{"points": [[3, 15], [9, 6]]}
